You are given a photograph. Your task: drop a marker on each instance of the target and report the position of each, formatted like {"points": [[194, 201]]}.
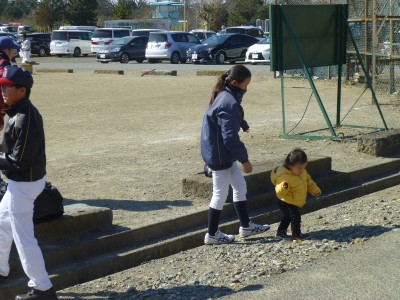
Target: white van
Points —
{"points": [[105, 36], [70, 42]]}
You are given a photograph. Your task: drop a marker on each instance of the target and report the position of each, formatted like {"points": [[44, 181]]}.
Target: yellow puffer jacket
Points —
{"points": [[298, 186]]}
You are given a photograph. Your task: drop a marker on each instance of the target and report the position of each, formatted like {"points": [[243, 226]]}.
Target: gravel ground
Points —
{"points": [[210, 272]]}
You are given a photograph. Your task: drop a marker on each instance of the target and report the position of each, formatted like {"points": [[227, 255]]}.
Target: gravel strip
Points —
{"points": [[209, 272]]}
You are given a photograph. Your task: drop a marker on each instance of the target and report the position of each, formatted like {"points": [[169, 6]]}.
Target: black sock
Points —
{"points": [[241, 210], [213, 220]]}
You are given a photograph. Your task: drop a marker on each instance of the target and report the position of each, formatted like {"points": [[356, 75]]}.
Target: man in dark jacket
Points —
{"points": [[23, 161]]}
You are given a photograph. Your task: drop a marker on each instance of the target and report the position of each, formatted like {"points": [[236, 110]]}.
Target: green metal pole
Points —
{"points": [[283, 102], [314, 89], [369, 84], [339, 87]]}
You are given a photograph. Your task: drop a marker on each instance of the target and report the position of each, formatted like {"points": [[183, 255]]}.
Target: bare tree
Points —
{"points": [[212, 13]]}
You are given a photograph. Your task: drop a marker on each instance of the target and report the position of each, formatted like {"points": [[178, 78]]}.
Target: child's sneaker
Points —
{"points": [[282, 234], [218, 238], [252, 229], [301, 237]]}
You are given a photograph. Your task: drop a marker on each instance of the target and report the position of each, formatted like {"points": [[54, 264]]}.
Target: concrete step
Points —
{"points": [[97, 255]]}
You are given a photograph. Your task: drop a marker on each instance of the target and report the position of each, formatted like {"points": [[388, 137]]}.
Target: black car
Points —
{"points": [[222, 48], [123, 50], [40, 43]]}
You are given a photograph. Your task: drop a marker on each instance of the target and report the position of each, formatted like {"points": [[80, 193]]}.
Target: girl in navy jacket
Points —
{"points": [[221, 147]]}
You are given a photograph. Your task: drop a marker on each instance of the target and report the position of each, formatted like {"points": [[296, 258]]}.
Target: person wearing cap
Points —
{"points": [[25, 49], [23, 162], [7, 48]]}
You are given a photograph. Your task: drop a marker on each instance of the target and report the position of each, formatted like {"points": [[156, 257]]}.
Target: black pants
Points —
{"points": [[291, 215]]}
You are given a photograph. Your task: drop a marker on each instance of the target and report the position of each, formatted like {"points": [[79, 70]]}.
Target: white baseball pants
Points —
{"points": [[221, 181], [16, 212]]}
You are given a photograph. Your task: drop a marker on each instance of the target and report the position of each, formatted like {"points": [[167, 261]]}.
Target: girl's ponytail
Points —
{"points": [[239, 73], [218, 86]]}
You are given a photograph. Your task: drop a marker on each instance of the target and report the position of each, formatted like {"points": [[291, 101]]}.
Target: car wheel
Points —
{"points": [[124, 58], [152, 60], [175, 58], [77, 52], [42, 52], [220, 58], [140, 60]]}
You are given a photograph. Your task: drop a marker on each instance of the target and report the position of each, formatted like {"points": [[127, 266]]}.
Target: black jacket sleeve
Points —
{"points": [[23, 153]]}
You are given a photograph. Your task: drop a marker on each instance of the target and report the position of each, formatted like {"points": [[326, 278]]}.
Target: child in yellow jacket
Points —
{"points": [[292, 183]]}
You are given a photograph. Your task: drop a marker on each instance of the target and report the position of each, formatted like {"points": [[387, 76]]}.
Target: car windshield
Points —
{"points": [[121, 41], [102, 33], [234, 30], [264, 41], [158, 38], [215, 40]]}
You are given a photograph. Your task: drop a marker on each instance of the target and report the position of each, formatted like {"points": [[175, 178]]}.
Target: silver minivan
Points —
{"points": [[70, 42], [170, 45], [105, 36]]}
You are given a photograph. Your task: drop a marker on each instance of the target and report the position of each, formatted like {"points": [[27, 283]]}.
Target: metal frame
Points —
{"points": [[331, 129]]}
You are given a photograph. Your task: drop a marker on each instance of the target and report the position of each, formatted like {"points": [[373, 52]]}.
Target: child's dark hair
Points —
{"points": [[239, 73], [296, 156]]}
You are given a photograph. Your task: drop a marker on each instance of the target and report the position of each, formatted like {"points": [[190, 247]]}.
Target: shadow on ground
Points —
{"points": [[347, 233], [132, 205], [198, 292]]}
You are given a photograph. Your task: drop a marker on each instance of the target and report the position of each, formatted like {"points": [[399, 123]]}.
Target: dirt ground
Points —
{"points": [[126, 142]]}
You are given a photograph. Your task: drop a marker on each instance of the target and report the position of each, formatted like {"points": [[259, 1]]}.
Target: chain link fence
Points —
{"points": [[380, 56]]}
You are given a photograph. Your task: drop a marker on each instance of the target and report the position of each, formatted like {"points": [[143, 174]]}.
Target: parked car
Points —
{"points": [[25, 29], [105, 36], [249, 30], [259, 53], [170, 45], [144, 32], [10, 35], [9, 29], [70, 42], [203, 34], [40, 43], [123, 50], [221, 48]]}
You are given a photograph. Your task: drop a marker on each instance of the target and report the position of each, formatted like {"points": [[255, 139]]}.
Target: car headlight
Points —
{"points": [[115, 49]]}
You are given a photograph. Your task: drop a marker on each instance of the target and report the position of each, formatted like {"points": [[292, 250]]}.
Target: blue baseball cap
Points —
{"points": [[14, 75], [8, 43]]}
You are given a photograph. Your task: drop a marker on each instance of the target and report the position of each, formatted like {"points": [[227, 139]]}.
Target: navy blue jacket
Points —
{"points": [[220, 141]]}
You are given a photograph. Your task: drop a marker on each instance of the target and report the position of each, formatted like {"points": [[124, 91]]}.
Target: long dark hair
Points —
{"points": [[295, 156], [239, 73]]}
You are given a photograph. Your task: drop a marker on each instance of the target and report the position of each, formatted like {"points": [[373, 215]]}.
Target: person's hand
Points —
{"points": [[317, 195], [247, 167], [285, 185]]}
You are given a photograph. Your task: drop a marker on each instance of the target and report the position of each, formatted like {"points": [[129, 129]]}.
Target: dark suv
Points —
{"points": [[40, 43]]}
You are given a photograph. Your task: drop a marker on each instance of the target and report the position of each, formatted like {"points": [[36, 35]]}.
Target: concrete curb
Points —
{"points": [[78, 219], [131, 248], [210, 73], [200, 186], [54, 71], [159, 72], [114, 72]]}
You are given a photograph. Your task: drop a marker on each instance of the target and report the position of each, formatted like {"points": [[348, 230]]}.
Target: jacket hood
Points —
{"points": [[235, 92], [278, 172]]}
